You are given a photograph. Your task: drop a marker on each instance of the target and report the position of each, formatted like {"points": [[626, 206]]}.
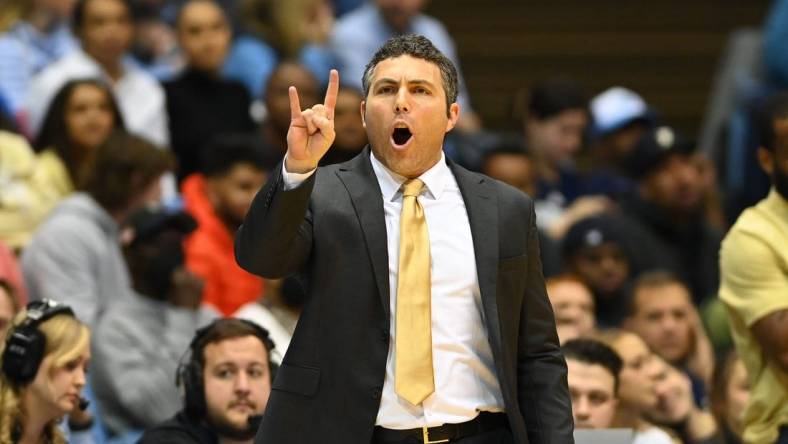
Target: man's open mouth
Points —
{"points": [[401, 136]]}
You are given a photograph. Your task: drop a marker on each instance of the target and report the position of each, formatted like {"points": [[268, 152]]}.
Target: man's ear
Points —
{"points": [[454, 115], [766, 160], [363, 110]]}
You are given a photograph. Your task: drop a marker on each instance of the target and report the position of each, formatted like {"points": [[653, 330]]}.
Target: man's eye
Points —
{"points": [[385, 90]]}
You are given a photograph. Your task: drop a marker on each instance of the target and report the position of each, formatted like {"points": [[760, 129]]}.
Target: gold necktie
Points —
{"points": [[413, 367]]}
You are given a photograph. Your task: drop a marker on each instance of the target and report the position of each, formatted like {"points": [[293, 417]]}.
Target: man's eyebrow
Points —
{"points": [[389, 80]]}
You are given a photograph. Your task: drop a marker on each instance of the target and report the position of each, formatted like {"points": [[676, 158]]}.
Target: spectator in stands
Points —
{"points": [[80, 118], [573, 305], [620, 118], [235, 171], [665, 216], [554, 117], [12, 274], [351, 136], [638, 385], [33, 35], [75, 254], [277, 311], [730, 391], [44, 361], [276, 31], [593, 377], [138, 341], [9, 306], [661, 312], [226, 383], [508, 162], [277, 102], [594, 251], [200, 103], [754, 265], [358, 34], [678, 413], [105, 29]]}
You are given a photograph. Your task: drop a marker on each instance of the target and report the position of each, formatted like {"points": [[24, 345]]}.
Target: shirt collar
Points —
{"points": [[390, 182]]}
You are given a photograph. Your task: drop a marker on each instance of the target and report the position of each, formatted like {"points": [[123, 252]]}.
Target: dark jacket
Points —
{"points": [[332, 230], [180, 429]]}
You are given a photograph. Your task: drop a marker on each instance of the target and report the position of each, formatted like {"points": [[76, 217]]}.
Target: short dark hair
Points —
{"points": [[554, 96], [419, 47], [650, 279], [228, 328], [591, 351], [54, 131], [224, 152], [776, 107], [124, 165], [78, 15]]}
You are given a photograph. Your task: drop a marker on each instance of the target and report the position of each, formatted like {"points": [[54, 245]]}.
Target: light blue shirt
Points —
{"points": [[24, 52], [359, 34]]}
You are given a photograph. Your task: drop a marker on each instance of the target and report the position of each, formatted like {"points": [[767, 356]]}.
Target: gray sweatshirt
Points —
{"points": [[75, 257], [136, 348]]}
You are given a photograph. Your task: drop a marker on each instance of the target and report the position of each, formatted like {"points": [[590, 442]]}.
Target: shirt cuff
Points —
{"points": [[293, 180]]}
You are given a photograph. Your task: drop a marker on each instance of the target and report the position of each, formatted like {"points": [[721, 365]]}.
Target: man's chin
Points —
{"points": [[237, 430]]}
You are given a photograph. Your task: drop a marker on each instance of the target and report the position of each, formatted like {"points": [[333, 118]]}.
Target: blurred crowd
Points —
{"points": [[134, 135]]}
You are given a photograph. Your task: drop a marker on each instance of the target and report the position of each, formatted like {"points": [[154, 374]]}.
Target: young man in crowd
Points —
{"points": [[573, 305], [138, 341], [593, 382], [594, 251], [234, 170], [665, 216], [662, 314], [277, 102], [351, 135], [200, 103], [225, 382], [508, 162], [754, 261], [105, 29], [75, 255]]}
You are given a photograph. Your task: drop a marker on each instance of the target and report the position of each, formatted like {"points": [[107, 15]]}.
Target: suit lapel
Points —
{"points": [[362, 185], [481, 203]]}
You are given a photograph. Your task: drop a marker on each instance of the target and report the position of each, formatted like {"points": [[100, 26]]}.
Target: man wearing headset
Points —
{"points": [[225, 381]]}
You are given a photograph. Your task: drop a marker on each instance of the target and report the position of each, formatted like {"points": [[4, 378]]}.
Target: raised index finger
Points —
{"points": [[331, 93], [295, 105]]}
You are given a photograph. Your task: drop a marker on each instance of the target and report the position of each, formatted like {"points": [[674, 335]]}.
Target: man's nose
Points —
{"points": [[401, 104], [581, 407], [241, 383]]}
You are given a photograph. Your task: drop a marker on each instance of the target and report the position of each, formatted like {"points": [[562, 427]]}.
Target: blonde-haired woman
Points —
{"points": [[44, 359]]}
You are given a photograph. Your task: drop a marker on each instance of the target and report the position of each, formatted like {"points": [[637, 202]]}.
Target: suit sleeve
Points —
{"points": [[275, 239], [542, 388]]}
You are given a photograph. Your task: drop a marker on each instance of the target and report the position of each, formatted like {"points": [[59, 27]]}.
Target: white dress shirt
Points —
{"points": [[140, 97], [465, 377]]}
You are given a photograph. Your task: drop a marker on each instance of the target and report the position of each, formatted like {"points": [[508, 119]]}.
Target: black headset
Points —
{"points": [[25, 343], [189, 376]]}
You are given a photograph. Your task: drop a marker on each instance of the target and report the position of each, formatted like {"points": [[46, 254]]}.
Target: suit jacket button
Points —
{"points": [[376, 393], [384, 335]]}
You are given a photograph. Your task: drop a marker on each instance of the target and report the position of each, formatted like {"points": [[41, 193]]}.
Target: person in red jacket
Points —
{"points": [[218, 198]]}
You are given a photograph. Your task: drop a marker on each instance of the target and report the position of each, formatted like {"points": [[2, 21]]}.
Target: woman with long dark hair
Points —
{"points": [[81, 117]]}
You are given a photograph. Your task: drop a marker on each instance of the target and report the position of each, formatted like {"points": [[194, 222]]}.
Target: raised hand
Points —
{"points": [[311, 131]]}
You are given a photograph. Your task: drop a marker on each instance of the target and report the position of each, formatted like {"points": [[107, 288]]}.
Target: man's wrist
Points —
{"points": [[292, 166]]}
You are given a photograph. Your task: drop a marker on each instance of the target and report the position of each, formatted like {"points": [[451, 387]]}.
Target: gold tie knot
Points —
{"points": [[412, 187]]}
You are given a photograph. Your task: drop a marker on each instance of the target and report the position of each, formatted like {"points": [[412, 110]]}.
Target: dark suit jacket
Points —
{"points": [[331, 229]]}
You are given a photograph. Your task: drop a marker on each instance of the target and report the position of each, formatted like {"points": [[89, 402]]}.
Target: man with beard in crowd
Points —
{"points": [[226, 383]]}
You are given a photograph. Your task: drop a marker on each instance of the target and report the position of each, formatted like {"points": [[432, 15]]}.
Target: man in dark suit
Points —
{"points": [[427, 318]]}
